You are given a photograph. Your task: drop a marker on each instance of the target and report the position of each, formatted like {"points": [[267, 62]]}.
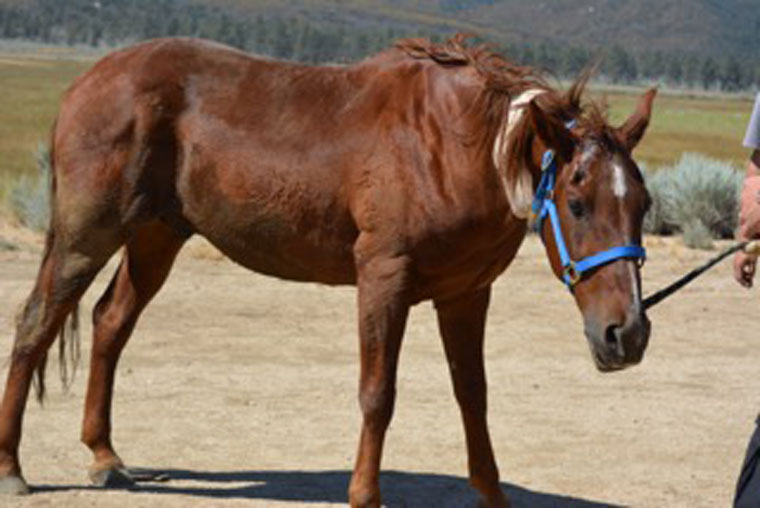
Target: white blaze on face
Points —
{"points": [[619, 187]]}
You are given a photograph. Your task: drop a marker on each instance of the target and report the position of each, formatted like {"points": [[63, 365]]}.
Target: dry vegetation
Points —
{"points": [[711, 125], [32, 88]]}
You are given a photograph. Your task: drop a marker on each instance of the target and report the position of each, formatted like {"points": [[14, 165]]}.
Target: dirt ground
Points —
{"points": [[243, 389]]}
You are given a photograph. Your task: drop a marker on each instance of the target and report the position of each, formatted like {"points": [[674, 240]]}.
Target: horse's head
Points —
{"points": [[589, 206]]}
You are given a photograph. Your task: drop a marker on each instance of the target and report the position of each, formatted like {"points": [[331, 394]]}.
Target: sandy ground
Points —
{"points": [[243, 387]]}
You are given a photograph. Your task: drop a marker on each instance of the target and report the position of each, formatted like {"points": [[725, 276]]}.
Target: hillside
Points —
{"points": [[709, 44], [714, 27]]}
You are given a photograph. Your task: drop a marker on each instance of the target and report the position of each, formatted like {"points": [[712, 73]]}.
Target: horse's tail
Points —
{"points": [[69, 354], [69, 349]]}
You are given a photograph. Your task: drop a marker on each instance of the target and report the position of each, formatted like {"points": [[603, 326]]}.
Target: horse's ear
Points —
{"points": [[551, 130], [631, 132]]}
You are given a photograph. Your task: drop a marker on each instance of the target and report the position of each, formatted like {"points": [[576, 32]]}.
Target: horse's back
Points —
{"points": [[282, 165], [213, 141]]}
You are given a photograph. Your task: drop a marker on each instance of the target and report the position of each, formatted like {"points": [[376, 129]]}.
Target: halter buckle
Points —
{"points": [[570, 274], [547, 160]]}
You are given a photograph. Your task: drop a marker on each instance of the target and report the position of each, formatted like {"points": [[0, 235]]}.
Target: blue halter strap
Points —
{"points": [[543, 205]]}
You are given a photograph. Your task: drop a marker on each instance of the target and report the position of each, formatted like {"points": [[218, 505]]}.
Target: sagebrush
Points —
{"points": [[30, 194], [698, 197]]}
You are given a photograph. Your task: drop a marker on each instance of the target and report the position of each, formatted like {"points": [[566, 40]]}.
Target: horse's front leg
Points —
{"points": [[462, 326], [383, 309]]}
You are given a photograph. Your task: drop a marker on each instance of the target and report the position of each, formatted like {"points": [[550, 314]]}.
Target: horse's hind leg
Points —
{"points": [[69, 264], [148, 257]]}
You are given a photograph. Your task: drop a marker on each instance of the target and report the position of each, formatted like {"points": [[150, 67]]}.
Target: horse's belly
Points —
{"points": [[275, 241], [292, 258], [286, 222]]}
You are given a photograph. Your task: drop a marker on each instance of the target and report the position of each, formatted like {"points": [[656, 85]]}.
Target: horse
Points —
{"points": [[412, 175]]}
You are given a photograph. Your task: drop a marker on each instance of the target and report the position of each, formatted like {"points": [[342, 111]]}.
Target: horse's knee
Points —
{"points": [[60, 282], [376, 403]]}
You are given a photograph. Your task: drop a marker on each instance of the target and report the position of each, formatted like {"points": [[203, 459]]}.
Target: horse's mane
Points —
{"points": [[501, 76], [504, 81]]}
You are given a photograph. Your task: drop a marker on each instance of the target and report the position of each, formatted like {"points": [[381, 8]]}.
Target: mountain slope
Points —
{"points": [[713, 27]]}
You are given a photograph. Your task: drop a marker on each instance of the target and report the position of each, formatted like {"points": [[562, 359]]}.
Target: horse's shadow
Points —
{"points": [[399, 489]]}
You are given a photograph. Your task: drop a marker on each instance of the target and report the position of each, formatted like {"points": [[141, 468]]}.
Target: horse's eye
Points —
{"points": [[576, 208]]}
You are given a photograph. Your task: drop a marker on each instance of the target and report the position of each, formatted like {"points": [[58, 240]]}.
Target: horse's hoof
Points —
{"points": [[499, 501], [112, 479], [13, 486], [364, 500]]}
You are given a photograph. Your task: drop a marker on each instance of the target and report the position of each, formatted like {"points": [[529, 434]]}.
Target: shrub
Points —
{"points": [[698, 197], [30, 194], [696, 235], [656, 220]]}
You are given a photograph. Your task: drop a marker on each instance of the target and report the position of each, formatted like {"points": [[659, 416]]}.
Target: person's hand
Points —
{"points": [[749, 228], [744, 268]]}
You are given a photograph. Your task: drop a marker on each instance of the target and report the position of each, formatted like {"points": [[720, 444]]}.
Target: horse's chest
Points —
{"points": [[464, 262]]}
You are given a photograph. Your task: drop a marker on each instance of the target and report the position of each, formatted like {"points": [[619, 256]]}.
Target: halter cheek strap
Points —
{"points": [[543, 205]]}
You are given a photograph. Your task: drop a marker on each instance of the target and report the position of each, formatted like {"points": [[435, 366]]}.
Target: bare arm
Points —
{"points": [[753, 164], [749, 220], [749, 213]]}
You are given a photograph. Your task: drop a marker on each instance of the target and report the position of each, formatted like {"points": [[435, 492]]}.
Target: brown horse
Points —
{"points": [[408, 174]]}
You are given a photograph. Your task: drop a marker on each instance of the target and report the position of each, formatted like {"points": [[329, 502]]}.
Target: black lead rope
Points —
{"points": [[660, 295]]}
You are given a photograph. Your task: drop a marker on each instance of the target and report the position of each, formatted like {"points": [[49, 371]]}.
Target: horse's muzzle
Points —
{"points": [[617, 346]]}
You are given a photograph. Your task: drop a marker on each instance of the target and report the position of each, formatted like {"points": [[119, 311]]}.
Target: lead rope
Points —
{"points": [[751, 247]]}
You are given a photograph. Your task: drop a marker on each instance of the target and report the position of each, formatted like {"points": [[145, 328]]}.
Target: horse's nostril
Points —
{"points": [[613, 339], [610, 336]]}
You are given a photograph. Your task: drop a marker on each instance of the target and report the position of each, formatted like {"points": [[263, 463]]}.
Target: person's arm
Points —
{"points": [[749, 221], [749, 213]]}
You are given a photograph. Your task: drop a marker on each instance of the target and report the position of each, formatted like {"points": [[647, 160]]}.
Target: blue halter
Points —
{"points": [[543, 205]]}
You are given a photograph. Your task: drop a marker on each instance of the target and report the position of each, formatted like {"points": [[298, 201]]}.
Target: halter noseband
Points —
{"points": [[543, 205]]}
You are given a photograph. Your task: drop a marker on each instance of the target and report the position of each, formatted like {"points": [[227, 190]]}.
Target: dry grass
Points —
{"points": [[31, 91], [713, 126], [32, 88]]}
